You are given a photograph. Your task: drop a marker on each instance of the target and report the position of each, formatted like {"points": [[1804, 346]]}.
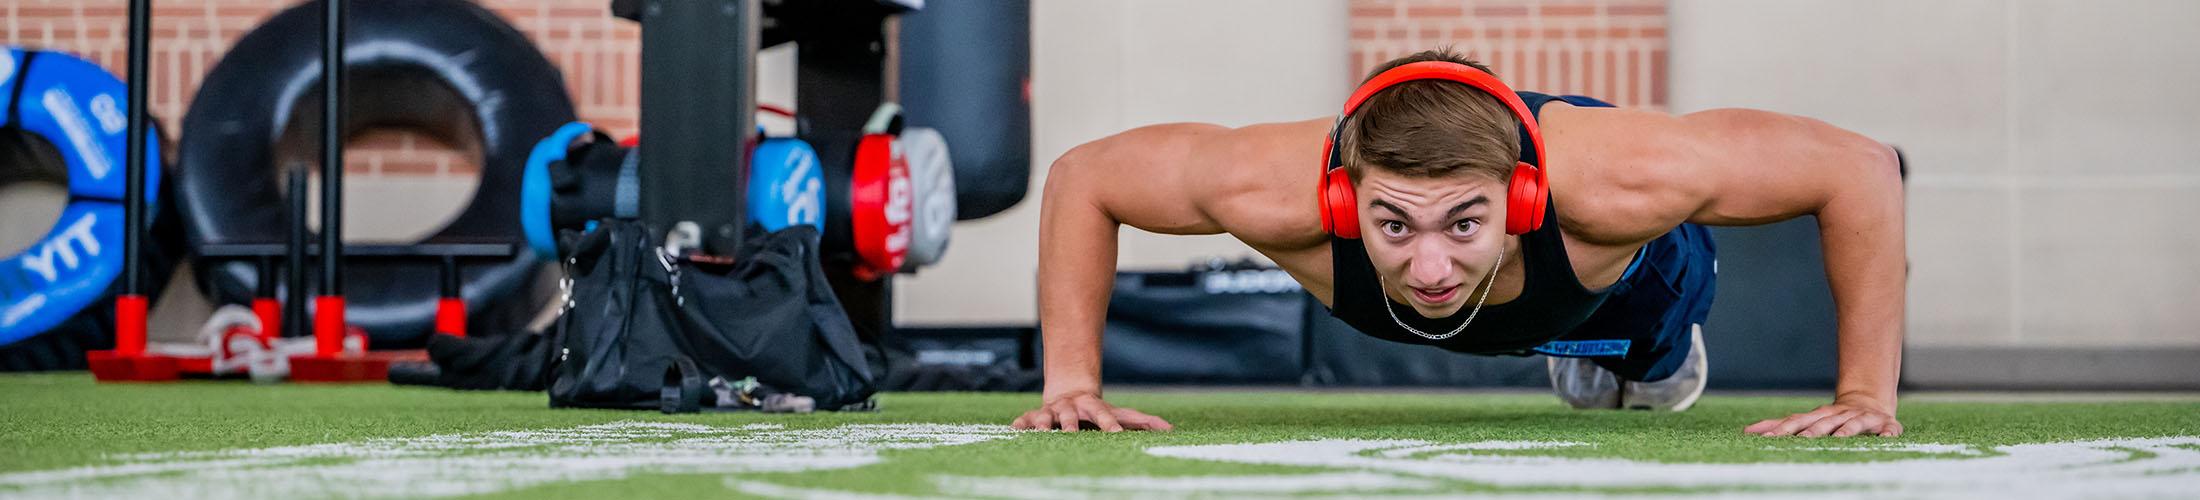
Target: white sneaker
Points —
{"points": [[1582, 384], [1677, 392], [1585, 386]]}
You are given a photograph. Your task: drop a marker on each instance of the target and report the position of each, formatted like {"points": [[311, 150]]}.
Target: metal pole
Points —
{"points": [[294, 262], [842, 68], [130, 307], [332, 148], [698, 113], [134, 217]]}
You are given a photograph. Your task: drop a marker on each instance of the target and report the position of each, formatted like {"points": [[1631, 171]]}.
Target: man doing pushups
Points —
{"points": [[1449, 210]]}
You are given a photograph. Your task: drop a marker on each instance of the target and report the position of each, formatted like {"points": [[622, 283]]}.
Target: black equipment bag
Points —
{"points": [[962, 359], [1224, 324], [645, 328]]}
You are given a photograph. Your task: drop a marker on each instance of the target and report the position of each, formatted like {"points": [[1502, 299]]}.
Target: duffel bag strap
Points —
{"points": [[683, 390]]}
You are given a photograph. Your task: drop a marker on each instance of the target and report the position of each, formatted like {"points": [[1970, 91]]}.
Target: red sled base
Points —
{"points": [[109, 366]]}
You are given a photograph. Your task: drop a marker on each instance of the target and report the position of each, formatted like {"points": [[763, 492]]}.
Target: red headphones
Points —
{"points": [[1525, 201]]}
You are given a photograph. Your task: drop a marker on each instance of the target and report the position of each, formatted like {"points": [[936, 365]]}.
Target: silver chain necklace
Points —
{"points": [[1491, 282]]}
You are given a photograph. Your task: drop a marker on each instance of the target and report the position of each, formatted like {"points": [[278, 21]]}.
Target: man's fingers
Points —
{"points": [[1793, 427], [1044, 421], [1068, 415], [1134, 419], [1796, 423], [1066, 418], [1837, 419], [1858, 425], [1826, 426], [1098, 413], [1106, 421]]}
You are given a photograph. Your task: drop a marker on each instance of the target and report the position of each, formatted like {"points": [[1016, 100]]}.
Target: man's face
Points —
{"points": [[1432, 239]]}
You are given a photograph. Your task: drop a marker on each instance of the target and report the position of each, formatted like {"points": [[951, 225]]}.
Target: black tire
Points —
{"points": [[446, 67]]}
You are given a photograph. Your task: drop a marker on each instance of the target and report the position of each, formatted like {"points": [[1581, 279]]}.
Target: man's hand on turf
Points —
{"points": [[1068, 411], [1845, 417]]}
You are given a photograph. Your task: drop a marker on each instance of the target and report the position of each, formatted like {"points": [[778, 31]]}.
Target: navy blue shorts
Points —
{"points": [[1641, 332]]}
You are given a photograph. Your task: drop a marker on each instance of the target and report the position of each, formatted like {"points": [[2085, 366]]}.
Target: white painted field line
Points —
{"points": [[488, 462], [2141, 467], [775, 490], [1049, 488], [1948, 449], [1395, 469], [1410, 452]]}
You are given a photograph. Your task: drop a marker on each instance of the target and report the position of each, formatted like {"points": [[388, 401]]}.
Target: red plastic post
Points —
{"points": [[450, 316], [130, 325], [328, 325], [127, 362], [270, 313]]}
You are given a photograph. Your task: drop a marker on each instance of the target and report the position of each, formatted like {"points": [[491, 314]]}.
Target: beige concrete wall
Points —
{"points": [[1103, 67], [2055, 149]]}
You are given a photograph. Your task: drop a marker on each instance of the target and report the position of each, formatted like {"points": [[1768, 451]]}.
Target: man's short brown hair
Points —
{"points": [[1431, 128]]}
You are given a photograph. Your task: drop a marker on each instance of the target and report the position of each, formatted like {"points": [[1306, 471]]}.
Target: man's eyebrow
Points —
{"points": [[1462, 207], [1454, 212], [1392, 208]]}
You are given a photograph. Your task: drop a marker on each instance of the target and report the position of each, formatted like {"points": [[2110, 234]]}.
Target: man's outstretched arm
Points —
{"points": [[1752, 167], [1138, 178], [1860, 228]]}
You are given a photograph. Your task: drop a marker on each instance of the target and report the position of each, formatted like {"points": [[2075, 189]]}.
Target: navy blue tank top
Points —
{"points": [[1551, 303]]}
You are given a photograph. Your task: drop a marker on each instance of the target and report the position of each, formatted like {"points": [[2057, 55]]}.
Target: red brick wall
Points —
{"points": [[598, 54], [1609, 49]]}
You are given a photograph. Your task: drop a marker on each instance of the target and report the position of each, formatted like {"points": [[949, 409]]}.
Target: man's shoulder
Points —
{"points": [[1261, 184], [1615, 179]]}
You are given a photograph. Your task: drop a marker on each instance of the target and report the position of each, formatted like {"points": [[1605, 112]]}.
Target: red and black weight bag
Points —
{"points": [[644, 328]]}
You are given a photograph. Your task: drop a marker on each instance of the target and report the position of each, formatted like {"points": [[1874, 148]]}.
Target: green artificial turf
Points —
{"points": [[67, 422]]}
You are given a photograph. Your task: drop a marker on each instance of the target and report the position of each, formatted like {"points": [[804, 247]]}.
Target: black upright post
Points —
{"points": [[698, 113], [332, 148], [294, 322], [130, 307], [841, 67], [133, 217], [126, 360], [454, 285]]}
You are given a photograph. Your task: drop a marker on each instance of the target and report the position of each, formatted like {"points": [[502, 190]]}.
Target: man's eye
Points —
{"points": [[1394, 228], [1466, 226]]}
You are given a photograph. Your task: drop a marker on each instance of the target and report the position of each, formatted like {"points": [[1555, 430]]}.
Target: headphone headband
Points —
{"points": [[1440, 70], [1526, 192]]}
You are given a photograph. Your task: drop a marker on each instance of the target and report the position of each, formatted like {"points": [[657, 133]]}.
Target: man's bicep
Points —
{"points": [[1757, 167], [1137, 176], [1258, 182]]}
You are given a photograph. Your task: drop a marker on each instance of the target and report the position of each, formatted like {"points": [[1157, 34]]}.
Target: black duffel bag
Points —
{"points": [[648, 328], [1243, 323]]}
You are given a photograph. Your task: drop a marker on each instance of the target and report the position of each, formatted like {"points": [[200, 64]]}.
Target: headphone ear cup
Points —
{"points": [[1524, 204], [1340, 209]]}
